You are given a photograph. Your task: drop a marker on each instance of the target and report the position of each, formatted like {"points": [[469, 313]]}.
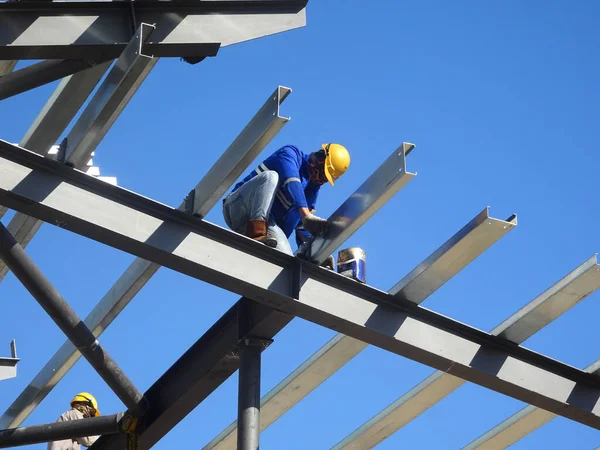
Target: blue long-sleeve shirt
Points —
{"points": [[294, 189]]}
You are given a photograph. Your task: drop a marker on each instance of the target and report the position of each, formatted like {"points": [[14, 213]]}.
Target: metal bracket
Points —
{"points": [[188, 202], [254, 341], [145, 30], [62, 151]]}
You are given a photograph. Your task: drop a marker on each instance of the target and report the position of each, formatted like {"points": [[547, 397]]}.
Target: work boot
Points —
{"points": [[258, 230]]}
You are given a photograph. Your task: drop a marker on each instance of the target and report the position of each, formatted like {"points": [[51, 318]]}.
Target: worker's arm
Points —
{"points": [[87, 441], [287, 165]]}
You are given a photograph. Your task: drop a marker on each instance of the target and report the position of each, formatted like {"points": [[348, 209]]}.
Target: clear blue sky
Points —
{"points": [[502, 100]]}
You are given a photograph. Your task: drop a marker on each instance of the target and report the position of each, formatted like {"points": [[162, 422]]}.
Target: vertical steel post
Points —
{"points": [[69, 322], [249, 393]]}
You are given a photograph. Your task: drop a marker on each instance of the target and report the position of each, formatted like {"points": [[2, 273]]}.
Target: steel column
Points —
{"points": [[449, 259], [59, 431], [530, 319], [41, 73], [68, 321], [265, 124], [249, 394], [159, 233]]}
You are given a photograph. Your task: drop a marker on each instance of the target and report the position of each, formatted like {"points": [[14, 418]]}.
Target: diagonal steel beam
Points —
{"points": [[69, 322], [530, 319], [449, 259], [121, 83], [518, 425], [50, 123], [383, 184], [41, 73], [130, 222], [259, 131]]}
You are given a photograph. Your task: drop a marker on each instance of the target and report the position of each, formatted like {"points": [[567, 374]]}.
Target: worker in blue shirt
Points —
{"points": [[280, 195]]}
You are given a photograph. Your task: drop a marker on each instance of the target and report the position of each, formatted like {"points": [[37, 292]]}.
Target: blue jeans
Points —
{"points": [[253, 201]]}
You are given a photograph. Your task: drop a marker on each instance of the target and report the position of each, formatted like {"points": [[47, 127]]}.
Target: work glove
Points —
{"points": [[316, 226]]}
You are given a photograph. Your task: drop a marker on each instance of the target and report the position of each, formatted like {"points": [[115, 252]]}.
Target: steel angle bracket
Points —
{"points": [[123, 80], [380, 187], [252, 140]]}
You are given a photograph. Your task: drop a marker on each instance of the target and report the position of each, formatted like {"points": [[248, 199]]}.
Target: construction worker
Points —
{"points": [[280, 195], [83, 405]]}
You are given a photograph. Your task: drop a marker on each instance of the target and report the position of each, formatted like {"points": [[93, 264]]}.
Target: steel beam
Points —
{"points": [[263, 127], [7, 67], [449, 259], [8, 368], [41, 73], [50, 123], [382, 185], [121, 83], [59, 431], [68, 30], [122, 219], [530, 319], [201, 370], [265, 124], [519, 425], [68, 321]]}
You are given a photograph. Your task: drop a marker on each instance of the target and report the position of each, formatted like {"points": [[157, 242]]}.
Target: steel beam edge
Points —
{"points": [[102, 28], [449, 259], [519, 425], [383, 184], [174, 239], [121, 83], [257, 134], [8, 368], [530, 319], [7, 67]]}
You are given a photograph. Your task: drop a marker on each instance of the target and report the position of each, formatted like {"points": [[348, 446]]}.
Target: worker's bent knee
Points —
{"points": [[271, 178]]}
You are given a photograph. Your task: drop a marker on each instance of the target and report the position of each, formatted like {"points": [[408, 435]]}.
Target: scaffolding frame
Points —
{"points": [[43, 186]]}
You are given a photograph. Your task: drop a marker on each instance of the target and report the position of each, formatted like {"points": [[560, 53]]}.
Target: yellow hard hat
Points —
{"points": [[86, 397], [337, 161]]}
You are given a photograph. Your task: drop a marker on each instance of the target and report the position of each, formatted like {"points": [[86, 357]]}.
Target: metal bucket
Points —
{"points": [[352, 263]]}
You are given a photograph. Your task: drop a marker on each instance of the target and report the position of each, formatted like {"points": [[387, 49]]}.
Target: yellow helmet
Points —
{"points": [[337, 161], [86, 397]]}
